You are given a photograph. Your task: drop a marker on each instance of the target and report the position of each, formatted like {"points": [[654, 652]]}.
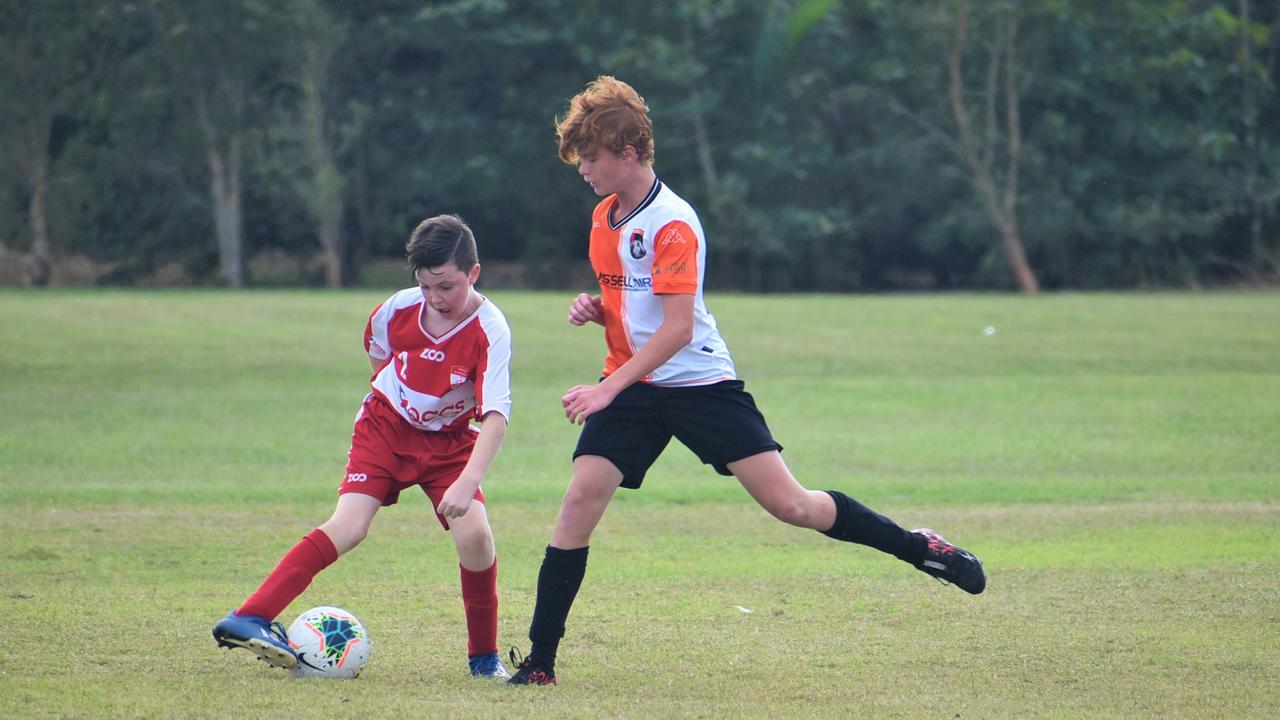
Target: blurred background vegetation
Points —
{"points": [[830, 145]]}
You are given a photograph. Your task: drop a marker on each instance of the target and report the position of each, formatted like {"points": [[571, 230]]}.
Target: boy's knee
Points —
{"points": [[791, 513], [586, 495], [575, 498], [471, 531], [799, 510], [474, 544], [345, 534]]}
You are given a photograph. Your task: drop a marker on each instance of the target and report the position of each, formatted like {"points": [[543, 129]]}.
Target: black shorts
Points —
{"points": [[718, 422]]}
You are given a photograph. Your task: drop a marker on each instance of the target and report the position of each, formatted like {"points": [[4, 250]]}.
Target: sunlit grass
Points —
{"points": [[1115, 459]]}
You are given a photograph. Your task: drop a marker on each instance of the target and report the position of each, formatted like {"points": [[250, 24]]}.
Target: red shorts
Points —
{"points": [[388, 455]]}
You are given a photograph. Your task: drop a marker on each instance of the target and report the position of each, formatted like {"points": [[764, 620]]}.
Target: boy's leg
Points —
{"points": [[291, 576], [344, 530], [250, 625], [478, 571], [834, 514], [595, 480], [840, 517], [350, 522]]}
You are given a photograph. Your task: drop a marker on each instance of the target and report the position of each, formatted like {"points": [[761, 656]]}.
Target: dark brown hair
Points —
{"points": [[437, 241]]}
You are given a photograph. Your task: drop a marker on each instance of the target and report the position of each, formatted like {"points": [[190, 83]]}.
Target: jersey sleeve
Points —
{"points": [[675, 260], [376, 340], [493, 381]]}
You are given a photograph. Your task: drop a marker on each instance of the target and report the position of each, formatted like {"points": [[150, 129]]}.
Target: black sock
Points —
{"points": [[558, 583], [856, 523]]}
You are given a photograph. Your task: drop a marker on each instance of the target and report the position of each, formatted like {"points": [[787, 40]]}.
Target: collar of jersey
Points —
{"points": [[648, 199], [422, 326]]}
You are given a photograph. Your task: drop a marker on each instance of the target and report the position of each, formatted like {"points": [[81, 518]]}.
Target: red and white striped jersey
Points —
{"points": [[440, 383], [658, 249]]}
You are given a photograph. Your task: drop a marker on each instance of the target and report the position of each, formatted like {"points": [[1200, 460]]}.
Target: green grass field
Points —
{"points": [[1114, 459]]}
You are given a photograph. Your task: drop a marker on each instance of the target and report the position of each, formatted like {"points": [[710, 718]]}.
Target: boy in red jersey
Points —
{"points": [[440, 354], [669, 374]]}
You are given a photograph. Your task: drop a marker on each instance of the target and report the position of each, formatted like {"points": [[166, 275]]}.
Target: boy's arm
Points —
{"points": [[675, 332], [456, 500]]}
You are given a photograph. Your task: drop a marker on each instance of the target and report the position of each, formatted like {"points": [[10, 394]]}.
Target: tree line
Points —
{"points": [[829, 145]]}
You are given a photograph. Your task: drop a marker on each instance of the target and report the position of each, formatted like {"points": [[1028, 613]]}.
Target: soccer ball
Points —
{"points": [[330, 643]]}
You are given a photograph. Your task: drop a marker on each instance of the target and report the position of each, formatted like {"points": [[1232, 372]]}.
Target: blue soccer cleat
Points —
{"points": [[488, 666], [268, 640]]}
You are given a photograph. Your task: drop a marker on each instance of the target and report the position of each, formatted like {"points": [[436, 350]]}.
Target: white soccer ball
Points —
{"points": [[330, 643]]}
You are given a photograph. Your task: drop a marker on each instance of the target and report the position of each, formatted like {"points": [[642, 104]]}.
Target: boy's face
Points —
{"points": [[606, 171], [447, 289]]}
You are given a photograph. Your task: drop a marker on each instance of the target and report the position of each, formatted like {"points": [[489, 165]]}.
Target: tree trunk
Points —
{"points": [[326, 199], [224, 187], [40, 267], [1263, 262], [35, 162], [332, 239], [1011, 241], [367, 216], [224, 180], [703, 141], [979, 153]]}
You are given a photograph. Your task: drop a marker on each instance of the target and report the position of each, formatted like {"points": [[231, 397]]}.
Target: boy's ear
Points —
{"points": [[475, 273]]}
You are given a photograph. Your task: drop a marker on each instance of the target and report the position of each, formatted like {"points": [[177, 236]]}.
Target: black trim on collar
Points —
{"points": [[648, 200]]}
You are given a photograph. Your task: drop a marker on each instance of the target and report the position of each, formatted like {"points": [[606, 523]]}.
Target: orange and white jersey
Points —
{"points": [[440, 383], [658, 249]]}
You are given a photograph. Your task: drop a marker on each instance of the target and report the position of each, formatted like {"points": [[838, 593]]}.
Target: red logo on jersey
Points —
{"points": [[458, 375], [427, 416], [637, 244]]}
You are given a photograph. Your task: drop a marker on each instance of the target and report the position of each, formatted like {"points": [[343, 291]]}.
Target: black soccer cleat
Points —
{"points": [[950, 564], [528, 672]]}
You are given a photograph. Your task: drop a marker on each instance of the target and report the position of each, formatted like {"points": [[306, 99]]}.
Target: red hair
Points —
{"points": [[607, 115]]}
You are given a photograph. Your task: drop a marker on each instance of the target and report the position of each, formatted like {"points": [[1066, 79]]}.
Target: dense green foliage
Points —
{"points": [[829, 144], [1113, 458]]}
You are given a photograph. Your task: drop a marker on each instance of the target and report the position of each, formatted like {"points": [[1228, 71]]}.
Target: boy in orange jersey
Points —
{"points": [[440, 353], [669, 374]]}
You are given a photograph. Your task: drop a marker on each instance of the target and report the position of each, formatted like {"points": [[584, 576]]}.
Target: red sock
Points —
{"points": [[480, 601], [292, 575]]}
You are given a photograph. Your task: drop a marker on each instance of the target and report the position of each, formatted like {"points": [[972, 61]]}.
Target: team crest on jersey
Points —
{"points": [[458, 375], [637, 244]]}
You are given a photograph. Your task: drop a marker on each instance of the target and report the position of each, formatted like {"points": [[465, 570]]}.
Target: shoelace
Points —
{"points": [[278, 630], [512, 654]]}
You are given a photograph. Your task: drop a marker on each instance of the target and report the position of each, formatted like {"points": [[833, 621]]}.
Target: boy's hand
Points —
{"points": [[586, 308], [582, 401], [457, 499]]}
